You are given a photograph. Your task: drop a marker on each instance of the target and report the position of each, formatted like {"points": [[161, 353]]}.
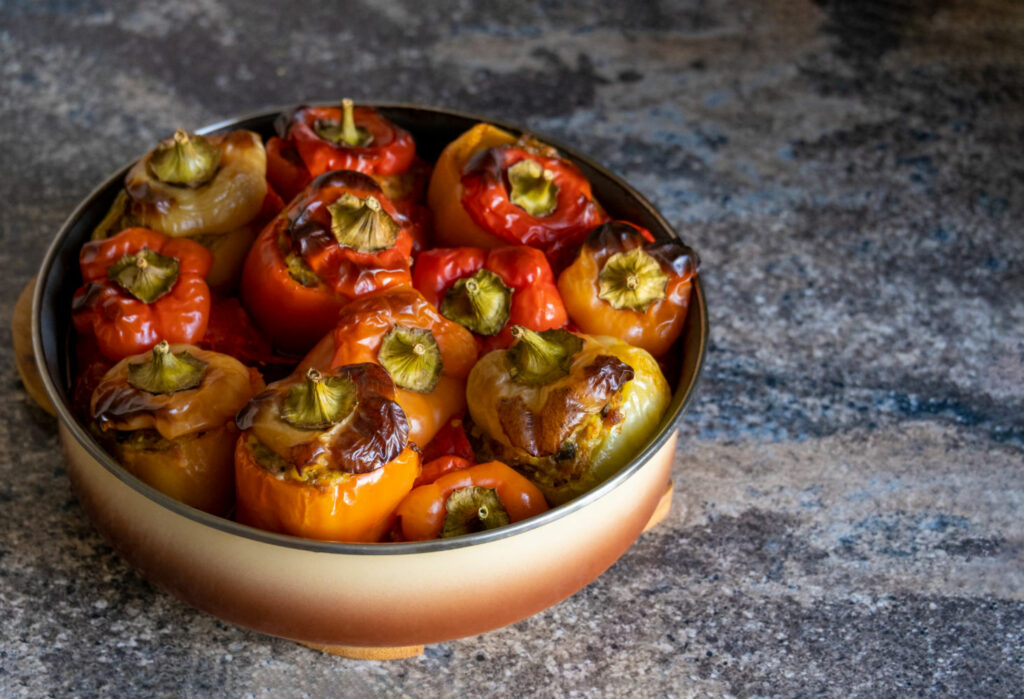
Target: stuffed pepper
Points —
{"points": [[488, 291], [168, 417], [624, 284], [142, 287], [489, 189], [336, 241], [426, 355], [325, 455], [467, 500], [313, 140], [212, 189], [566, 410]]}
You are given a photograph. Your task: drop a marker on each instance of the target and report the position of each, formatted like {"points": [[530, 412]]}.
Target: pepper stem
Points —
{"points": [[345, 133], [362, 224], [539, 358], [533, 188], [480, 303], [473, 509], [412, 357], [319, 401], [189, 160], [631, 280], [146, 275], [166, 372]]}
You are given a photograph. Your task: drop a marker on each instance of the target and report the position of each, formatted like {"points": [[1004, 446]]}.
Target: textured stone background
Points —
{"points": [[851, 481]]}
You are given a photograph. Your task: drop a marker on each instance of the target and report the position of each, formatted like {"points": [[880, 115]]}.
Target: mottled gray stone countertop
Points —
{"points": [[850, 482]]}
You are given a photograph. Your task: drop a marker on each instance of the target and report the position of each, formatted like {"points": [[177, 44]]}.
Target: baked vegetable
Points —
{"points": [[324, 455], [209, 188], [142, 287], [488, 291], [336, 241], [566, 410], [489, 189], [167, 416], [624, 284], [427, 356], [467, 500]]}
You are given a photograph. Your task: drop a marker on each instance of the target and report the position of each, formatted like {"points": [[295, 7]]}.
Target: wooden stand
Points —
{"points": [[21, 330]]}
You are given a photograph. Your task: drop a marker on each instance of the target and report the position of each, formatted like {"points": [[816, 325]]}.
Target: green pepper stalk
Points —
{"points": [[319, 402], [346, 133], [184, 159], [533, 188], [412, 358], [165, 372], [539, 358], [147, 275], [480, 303], [362, 224], [632, 280], [473, 509]]}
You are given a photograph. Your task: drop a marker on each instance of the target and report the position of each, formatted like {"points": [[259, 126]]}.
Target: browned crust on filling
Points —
{"points": [[543, 432]]}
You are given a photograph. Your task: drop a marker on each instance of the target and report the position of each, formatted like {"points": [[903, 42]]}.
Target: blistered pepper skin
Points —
{"points": [[190, 453], [391, 151], [536, 302], [124, 325], [294, 315], [572, 434], [357, 337], [654, 329]]}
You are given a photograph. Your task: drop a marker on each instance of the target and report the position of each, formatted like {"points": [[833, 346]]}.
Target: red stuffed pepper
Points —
{"points": [[521, 192], [489, 291], [142, 287], [336, 241]]}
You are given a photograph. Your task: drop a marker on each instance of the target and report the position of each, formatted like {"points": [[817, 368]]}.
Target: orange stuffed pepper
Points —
{"points": [[325, 456], [168, 417], [427, 356], [624, 284]]}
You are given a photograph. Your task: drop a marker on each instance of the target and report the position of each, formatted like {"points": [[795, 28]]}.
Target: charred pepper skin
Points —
{"points": [[570, 433], [336, 481], [125, 325], [181, 442], [296, 306]]}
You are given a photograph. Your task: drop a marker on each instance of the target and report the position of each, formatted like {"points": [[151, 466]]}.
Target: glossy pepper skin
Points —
{"points": [[570, 434], [360, 331], [180, 443], [297, 311], [125, 325], [223, 212], [660, 324], [469, 196], [485, 196], [536, 302], [391, 150], [453, 226], [339, 482], [421, 514]]}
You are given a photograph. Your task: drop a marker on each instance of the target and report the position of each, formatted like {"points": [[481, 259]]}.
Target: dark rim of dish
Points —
{"points": [[408, 114]]}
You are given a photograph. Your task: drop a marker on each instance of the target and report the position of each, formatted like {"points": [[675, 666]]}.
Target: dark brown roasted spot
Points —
{"points": [[544, 432]]}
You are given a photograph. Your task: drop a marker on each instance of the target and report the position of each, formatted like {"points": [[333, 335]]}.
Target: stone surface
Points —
{"points": [[850, 481]]}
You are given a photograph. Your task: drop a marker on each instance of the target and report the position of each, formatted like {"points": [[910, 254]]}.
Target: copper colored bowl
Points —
{"points": [[358, 594]]}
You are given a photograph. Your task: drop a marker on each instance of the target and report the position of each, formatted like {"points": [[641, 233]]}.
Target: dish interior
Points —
{"points": [[432, 129]]}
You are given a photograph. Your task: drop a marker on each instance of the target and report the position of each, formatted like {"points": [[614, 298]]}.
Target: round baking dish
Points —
{"points": [[372, 595]]}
